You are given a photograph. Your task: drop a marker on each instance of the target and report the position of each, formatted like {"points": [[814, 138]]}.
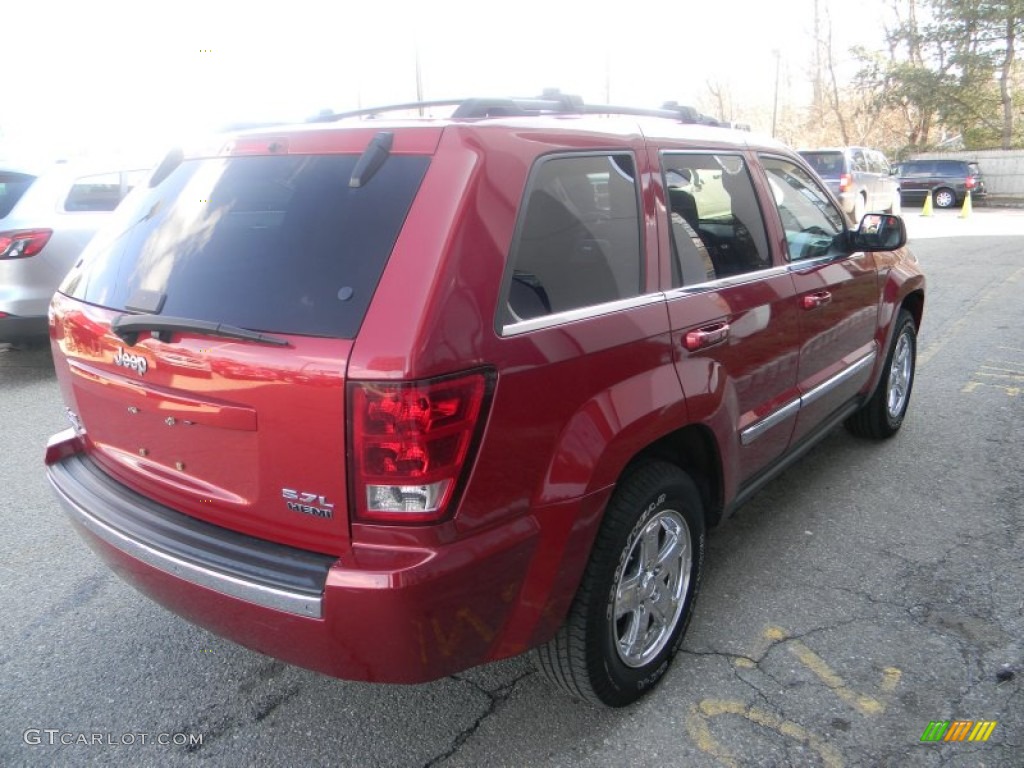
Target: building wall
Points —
{"points": [[1003, 169]]}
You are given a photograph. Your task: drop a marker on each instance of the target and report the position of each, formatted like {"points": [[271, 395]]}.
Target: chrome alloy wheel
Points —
{"points": [[900, 372], [652, 588]]}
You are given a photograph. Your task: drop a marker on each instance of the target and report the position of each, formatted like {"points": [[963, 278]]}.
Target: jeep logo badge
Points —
{"points": [[127, 360]]}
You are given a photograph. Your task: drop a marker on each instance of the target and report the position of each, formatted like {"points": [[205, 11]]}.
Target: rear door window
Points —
{"points": [[579, 242], [918, 169], [828, 165], [716, 223], [277, 243], [12, 187]]}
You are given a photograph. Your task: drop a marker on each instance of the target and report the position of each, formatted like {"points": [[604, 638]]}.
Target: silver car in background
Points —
{"points": [[46, 219], [860, 177]]}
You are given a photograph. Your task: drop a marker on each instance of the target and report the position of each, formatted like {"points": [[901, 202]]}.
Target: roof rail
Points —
{"points": [[551, 102]]}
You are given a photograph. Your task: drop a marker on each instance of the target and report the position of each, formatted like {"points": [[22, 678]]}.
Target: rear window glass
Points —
{"points": [[12, 187], [94, 193], [579, 243], [279, 243], [828, 165]]}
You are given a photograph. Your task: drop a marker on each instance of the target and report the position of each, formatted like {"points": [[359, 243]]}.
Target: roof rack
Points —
{"points": [[551, 102]]}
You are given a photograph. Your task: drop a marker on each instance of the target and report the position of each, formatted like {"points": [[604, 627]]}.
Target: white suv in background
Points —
{"points": [[46, 219], [860, 177]]}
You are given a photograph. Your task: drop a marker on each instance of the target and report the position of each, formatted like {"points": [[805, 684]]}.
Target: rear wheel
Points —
{"points": [[637, 595], [945, 198], [882, 415]]}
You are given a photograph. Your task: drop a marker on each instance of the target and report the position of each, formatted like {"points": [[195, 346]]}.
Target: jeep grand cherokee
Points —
{"points": [[391, 398]]}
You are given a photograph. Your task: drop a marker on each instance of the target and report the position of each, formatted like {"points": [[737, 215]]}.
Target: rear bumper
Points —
{"points": [[17, 329], [380, 614]]}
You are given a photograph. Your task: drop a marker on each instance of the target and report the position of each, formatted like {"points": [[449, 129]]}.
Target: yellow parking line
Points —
{"points": [[861, 702], [1013, 377], [936, 346]]}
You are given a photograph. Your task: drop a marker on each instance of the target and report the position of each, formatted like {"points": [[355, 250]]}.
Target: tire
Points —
{"points": [[882, 415], [636, 598], [945, 198]]}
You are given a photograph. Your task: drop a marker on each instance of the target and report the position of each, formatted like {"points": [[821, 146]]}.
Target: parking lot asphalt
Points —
{"points": [[869, 591]]}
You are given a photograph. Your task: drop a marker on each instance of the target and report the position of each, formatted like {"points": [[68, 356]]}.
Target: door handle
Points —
{"points": [[815, 300], [705, 337]]}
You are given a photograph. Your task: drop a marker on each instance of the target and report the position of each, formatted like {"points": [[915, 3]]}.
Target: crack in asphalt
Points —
{"points": [[260, 707], [495, 697]]}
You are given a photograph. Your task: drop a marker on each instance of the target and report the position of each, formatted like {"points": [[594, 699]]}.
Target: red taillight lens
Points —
{"points": [[22, 243], [845, 182], [409, 444], [970, 183]]}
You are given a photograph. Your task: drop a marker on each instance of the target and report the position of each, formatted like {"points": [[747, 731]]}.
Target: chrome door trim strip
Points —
{"points": [[726, 282], [776, 417], [583, 313], [847, 373], [755, 430]]}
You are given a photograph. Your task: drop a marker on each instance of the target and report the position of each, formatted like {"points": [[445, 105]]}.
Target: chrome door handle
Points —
{"points": [[705, 337], [815, 300]]}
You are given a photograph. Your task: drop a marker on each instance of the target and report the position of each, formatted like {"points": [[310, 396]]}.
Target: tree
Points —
{"points": [[950, 64]]}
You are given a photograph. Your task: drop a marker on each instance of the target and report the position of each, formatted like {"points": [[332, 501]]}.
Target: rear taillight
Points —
{"points": [[970, 183], [845, 182], [410, 443], [22, 243]]}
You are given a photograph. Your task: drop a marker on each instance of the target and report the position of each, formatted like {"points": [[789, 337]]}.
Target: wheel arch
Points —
{"points": [[693, 449], [913, 302]]}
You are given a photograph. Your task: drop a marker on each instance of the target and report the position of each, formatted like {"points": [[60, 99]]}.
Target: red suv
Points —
{"points": [[392, 398]]}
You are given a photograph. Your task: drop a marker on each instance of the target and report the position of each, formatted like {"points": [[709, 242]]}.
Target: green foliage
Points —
{"points": [[943, 69]]}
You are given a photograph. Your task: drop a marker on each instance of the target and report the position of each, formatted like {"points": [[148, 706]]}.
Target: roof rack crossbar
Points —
{"points": [[550, 102]]}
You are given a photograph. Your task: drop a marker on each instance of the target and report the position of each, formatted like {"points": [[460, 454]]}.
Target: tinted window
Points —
{"points": [[94, 193], [917, 168], [952, 168], [12, 187], [810, 220], [279, 243], [857, 160], [828, 165], [716, 223], [579, 237]]}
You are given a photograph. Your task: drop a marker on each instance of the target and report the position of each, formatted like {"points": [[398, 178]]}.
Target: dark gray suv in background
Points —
{"points": [[860, 177], [950, 180]]}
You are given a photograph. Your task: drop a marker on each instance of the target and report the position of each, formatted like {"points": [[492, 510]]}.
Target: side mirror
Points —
{"points": [[879, 232]]}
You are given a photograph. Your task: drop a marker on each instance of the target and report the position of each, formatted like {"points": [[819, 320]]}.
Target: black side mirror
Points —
{"points": [[879, 232]]}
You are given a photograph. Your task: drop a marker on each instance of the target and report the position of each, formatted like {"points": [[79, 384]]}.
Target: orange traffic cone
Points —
{"points": [[927, 210], [966, 210]]}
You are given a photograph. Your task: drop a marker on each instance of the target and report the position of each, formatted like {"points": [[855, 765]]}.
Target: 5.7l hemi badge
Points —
{"points": [[126, 359], [307, 503]]}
